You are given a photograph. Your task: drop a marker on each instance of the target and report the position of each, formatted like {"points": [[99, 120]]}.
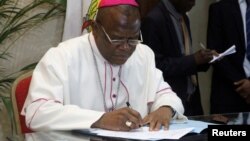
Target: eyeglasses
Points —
{"points": [[118, 42]]}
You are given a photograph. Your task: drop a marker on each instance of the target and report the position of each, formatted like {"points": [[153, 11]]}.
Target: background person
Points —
{"points": [[227, 26], [166, 30]]}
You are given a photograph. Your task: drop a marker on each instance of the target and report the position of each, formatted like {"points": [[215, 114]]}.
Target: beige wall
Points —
{"points": [[33, 44], [198, 19], [28, 49]]}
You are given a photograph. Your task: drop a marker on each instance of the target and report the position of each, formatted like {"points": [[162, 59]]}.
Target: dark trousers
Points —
{"points": [[193, 105]]}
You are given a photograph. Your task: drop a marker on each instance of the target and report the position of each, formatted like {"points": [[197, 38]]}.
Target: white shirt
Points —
{"points": [[65, 90], [243, 8]]}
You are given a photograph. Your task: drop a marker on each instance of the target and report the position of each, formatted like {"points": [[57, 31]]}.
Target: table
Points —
{"points": [[227, 119]]}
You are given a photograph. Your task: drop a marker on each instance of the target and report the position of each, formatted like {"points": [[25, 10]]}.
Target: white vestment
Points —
{"points": [[67, 93]]}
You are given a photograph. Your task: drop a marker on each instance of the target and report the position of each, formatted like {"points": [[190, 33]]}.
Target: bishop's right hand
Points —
{"points": [[123, 119]]}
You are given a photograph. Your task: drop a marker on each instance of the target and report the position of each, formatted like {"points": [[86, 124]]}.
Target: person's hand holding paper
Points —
{"points": [[229, 51], [204, 56]]}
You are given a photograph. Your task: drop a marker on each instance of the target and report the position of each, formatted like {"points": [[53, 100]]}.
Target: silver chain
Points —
{"points": [[100, 83]]}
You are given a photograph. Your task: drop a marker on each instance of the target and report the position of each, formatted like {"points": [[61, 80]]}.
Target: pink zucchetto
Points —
{"points": [[107, 3]]}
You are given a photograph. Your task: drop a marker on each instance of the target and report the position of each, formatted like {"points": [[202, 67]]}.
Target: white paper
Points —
{"points": [[229, 51], [176, 131], [197, 125], [143, 133]]}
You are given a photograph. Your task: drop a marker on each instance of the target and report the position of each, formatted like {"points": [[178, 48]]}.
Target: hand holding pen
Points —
{"points": [[123, 119], [129, 123], [214, 52], [204, 55]]}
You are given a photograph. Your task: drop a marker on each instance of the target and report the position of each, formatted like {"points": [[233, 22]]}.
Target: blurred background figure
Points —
{"points": [[230, 81], [166, 30]]}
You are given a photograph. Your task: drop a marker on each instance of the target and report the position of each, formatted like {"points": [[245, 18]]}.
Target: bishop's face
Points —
{"points": [[117, 36]]}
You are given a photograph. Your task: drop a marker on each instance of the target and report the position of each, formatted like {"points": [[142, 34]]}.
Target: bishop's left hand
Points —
{"points": [[158, 118]]}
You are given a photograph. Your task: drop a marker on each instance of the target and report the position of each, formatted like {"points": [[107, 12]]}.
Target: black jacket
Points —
{"points": [[159, 34], [225, 28]]}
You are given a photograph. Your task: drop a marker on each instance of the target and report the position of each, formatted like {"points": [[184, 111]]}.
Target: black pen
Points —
{"points": [[128, 104]]}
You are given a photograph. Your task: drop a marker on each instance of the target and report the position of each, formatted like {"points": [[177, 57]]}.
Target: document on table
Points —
{"points": [[229, 51], [176, 131], [197, 125], [143, 133]]}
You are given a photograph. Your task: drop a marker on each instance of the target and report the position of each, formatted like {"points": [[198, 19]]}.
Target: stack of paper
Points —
{"points": [[176, 131], [143, 133], [229, 51]]}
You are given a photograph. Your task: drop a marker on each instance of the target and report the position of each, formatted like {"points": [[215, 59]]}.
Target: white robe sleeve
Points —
{"points": [[46, 107], [161, 93], [166, 97]]}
